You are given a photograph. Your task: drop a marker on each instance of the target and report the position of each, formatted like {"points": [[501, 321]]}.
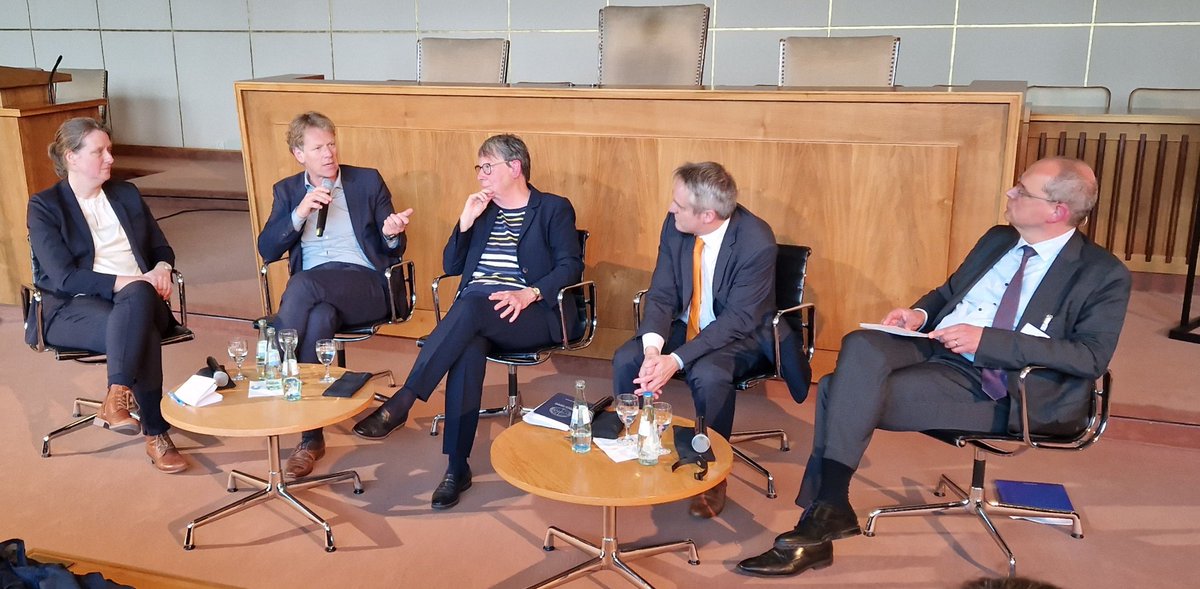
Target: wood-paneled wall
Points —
{"points": [[890, 188]]}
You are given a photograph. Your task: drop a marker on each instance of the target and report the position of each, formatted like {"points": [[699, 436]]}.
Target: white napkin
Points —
{"points": [[197, 391]]}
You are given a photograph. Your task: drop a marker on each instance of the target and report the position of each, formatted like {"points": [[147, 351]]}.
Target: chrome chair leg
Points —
{"points": [[391, 379], [760, 468], [991, 528], [512, 408], [77, 412]]}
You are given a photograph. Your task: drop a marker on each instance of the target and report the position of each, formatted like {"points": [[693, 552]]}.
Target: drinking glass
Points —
{"points": [[326, 350], [237, 352], [662, 418], [627, 410], [287, 340]]}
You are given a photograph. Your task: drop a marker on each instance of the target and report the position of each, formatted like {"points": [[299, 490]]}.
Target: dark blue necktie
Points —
{"points": [[995, 381]]}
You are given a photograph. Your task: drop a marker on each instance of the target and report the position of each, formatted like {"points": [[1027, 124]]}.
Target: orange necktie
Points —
{"points": [[693, 324]]}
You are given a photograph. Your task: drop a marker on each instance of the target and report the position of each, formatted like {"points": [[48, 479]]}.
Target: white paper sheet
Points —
{"points": [[892, 329]]}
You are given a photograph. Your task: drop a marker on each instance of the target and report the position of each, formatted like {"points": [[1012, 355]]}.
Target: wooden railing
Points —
{"points": [[1147, 167]]}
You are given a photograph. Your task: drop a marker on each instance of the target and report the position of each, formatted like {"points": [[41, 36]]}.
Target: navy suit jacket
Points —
{"points": [[743, 293], [1084, 294], [548, 250], [369, 203], [64, 252]]}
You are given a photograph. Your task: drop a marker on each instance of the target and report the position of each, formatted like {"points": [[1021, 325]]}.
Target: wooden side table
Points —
{"points": [[539, 460], [240, 416]]}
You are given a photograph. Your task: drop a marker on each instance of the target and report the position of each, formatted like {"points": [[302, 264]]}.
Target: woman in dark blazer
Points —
{"points": [[515, 248], [105, 269]]}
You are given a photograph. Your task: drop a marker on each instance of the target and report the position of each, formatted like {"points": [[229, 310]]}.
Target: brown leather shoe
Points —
{"points": [[709, 503], [300, 463], [115, 415], [163, 454]]}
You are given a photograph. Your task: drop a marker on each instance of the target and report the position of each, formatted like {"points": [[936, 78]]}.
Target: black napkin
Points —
{"points": [[607, 425], [683, 445], [347, 384]]}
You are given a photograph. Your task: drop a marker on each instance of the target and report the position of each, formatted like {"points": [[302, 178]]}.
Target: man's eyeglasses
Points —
{"points": [[1020, 192], [487, 168]]}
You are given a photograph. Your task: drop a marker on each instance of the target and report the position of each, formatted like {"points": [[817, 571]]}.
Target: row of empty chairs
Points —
{"points": [[1141, 100]]}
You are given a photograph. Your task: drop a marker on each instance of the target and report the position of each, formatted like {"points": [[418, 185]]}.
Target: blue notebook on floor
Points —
{"points": [[1031, 494]]}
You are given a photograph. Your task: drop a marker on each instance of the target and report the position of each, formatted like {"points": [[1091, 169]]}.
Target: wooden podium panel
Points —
{"points": [[27, 126], [890, 188]]}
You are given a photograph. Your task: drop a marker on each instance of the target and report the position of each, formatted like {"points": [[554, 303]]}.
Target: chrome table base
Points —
{"points": [[609, 555], [271, 488]]}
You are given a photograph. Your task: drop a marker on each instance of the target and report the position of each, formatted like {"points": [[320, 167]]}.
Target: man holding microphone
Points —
{"points": [[340, 231]]}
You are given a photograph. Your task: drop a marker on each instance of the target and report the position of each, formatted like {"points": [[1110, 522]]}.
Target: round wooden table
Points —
{"points": [[238, 415], [539, 460]]}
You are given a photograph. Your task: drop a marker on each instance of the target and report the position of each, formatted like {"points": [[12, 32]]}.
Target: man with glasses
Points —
{"points": [[515, 247], [337, 225], [1034, 292]]}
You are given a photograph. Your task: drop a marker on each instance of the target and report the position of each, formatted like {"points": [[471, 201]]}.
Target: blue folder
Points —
{"points": [[1031, 494]]}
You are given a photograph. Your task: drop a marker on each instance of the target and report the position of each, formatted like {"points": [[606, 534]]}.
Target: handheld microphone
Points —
{"points": [[52, 95], [323, 214], [215, 371], [700, 441]]}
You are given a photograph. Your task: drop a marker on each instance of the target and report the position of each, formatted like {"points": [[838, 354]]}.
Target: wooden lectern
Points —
{"points": [[27, 125]]}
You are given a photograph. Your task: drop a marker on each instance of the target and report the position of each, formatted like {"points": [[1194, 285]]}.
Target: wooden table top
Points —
{"points": [[237, 415], [539, 460]]}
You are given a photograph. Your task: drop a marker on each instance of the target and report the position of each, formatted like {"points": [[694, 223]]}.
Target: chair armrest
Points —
{"points": [[808, 330], [32, 295], [264, 286], [637, 308], [437, 301], [588, 290], [177, 278], [1095, 427], [406, 277]]}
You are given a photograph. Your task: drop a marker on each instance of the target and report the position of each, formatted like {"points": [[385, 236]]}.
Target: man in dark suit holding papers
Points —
{"points": [[1034, 292]]}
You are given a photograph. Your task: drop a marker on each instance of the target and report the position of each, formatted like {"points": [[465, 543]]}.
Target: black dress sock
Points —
{"points": [[835, 483]]}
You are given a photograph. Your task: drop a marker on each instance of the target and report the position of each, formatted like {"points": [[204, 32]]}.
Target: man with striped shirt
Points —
{"points": [[515, 247]]}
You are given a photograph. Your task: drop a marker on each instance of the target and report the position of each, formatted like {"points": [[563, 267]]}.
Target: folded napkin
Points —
{"points": [[348, 384], [607, 425], [197, 391]]}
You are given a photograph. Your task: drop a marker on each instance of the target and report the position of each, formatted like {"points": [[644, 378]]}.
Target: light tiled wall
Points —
{"points": [[172, 62]]}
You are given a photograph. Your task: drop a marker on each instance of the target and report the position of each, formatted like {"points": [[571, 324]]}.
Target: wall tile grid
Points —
{"points": [[173, 62]]}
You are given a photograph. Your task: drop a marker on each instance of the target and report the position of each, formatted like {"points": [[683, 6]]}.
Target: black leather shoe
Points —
{"points": [[820, 523], [447, 493], [793, 561], [379, 424]]}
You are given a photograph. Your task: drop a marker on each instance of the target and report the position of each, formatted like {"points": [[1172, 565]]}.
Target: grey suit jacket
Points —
{"points": [[1084, 293], [744, 284]]}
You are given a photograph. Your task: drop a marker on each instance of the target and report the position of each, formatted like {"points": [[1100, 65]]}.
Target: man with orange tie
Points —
{"points": [[707, 313]]}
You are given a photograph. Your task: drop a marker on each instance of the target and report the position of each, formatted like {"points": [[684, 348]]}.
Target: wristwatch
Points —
{"points": [[537, 293]]}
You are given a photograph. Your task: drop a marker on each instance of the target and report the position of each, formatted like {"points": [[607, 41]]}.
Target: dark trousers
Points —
{"points": [[318, 301], [457, 349], [127, 329], [894, 383], [711, 377]]}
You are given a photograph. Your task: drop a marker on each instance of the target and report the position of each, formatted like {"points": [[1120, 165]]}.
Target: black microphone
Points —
{"points": [[51, 94], [215, 371], [323, 214]]}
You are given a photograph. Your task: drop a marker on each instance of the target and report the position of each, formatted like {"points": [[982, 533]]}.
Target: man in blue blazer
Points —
{"points": [[1034, 292], [722, 331], [515, 247], [336, 268]]}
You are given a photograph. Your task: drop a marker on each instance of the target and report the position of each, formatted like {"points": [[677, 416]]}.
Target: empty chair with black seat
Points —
{"points": [[466, 61], [653, 45]]}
